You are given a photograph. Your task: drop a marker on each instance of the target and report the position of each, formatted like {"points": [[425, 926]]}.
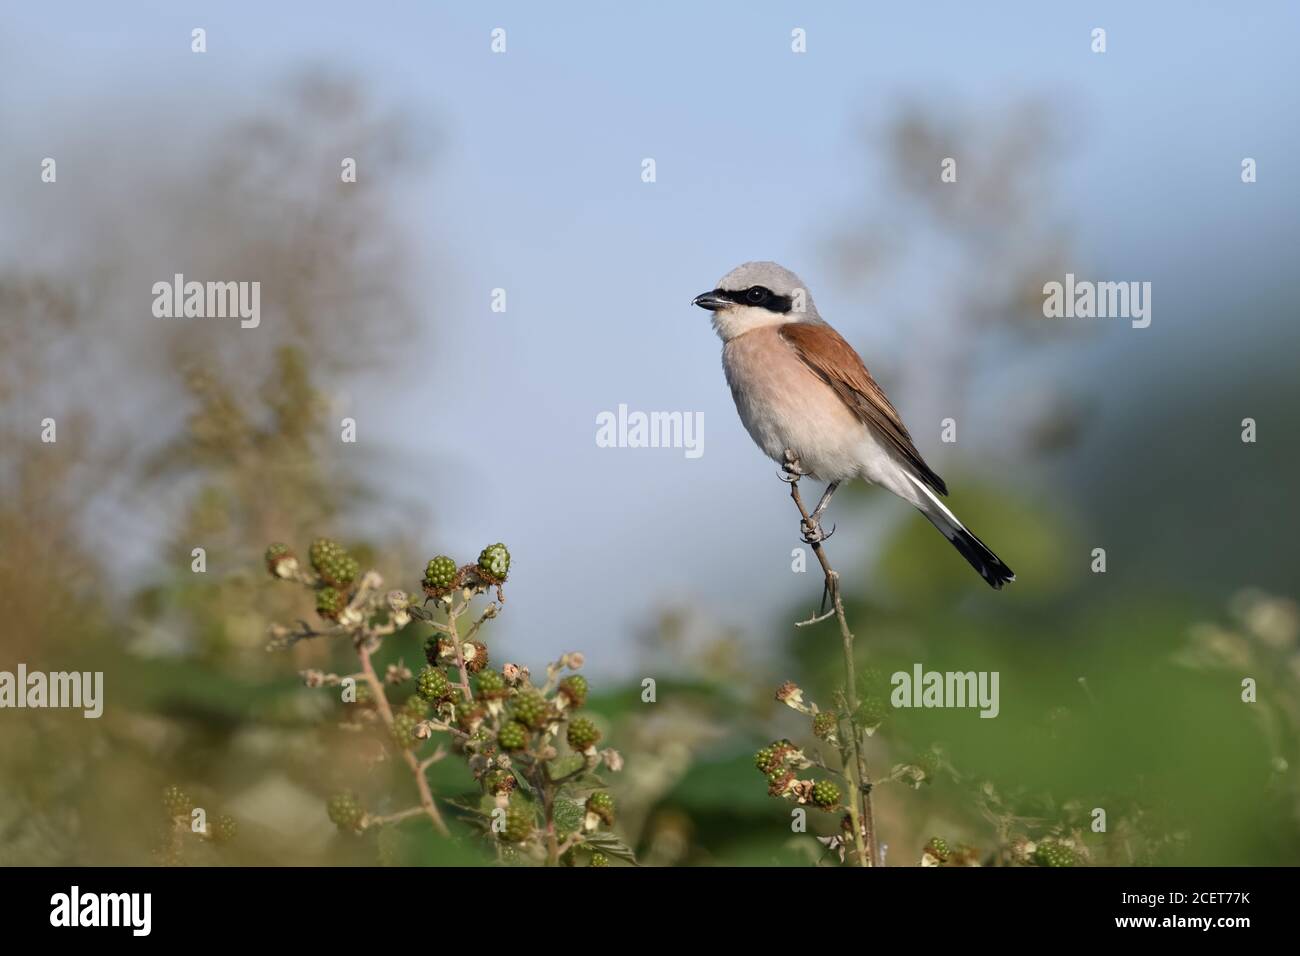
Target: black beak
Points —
{"points": [[713, 301]]}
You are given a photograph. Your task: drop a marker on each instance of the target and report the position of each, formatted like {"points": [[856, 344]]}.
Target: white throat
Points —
{"points": [[739, 319]]}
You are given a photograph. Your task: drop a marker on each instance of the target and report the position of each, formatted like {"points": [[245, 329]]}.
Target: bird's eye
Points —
{"points": [[756, 294]]}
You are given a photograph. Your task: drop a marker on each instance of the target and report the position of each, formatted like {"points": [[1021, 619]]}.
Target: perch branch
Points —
{"points": [[860, 811]]}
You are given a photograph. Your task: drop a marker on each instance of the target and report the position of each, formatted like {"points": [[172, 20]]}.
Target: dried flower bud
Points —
{"points": [[791, 694], [612, 758], [397, 674]]}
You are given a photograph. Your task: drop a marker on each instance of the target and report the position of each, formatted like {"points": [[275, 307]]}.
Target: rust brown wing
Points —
{"points": [[826, 353]]}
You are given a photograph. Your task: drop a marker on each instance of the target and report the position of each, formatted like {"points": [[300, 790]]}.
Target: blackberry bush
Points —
{"points": [[541, 794]]}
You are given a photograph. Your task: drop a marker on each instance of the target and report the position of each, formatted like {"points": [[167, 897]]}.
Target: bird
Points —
{"points": [[807, 400]]}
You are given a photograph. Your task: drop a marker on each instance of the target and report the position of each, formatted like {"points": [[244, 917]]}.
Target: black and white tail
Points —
{"points": [[976, 552]]}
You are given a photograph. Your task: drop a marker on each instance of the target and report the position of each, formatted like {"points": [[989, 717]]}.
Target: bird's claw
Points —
{"points": [[813, 533], [791, 469]]}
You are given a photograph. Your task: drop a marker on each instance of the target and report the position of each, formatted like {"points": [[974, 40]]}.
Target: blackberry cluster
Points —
{"points": [[825, 794], [531, 709], [574, 690], [772, 757], [490, 685], [404, 725], [602, 805], [1053, 853], [439, 573], [518, 825], [872, 711], [345, 811], [582, 733], [332, 562], [495, 560], [938, 848], [330, 603], [280, 560], [513, 736], [432, 684]]}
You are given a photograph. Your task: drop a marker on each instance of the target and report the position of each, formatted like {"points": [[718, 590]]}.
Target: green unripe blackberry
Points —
{"points": [[495, 560], [531, 709], [825, 794], [772, 757], [1054, 854], [824, 725], [176, 801], [403, 730], [224, 828], [439, 573], [599, 859], [518, 825], [281, 561], [490, 685], [601, 803], [872, 711], [574, 689], [476, 656], [345, 811], [938, 848], [324, 550], [340, 571], [513, 736], [416, 706], [871, 681], [432, 684], [582, 733], [499, 781], [330, 603]]}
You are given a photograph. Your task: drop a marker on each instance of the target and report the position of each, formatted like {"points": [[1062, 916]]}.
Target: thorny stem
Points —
{"points": [[860, 813], [453, 628], [386, 712]]}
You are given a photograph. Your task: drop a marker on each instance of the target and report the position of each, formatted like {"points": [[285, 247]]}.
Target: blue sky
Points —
{"points": [[760, 153]]}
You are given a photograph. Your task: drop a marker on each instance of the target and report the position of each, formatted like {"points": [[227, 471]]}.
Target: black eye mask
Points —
{"points": [[758, 297]]}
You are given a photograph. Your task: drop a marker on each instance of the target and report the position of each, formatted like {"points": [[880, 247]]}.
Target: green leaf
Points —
{"points": [[568, 816], [563, 766], [610, 845]]}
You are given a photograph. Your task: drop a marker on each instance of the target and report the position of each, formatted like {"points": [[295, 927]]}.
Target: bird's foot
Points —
{"points": [[811, 529], [791, 469]]}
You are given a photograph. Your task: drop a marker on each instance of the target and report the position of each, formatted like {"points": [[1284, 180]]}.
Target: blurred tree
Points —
{"points": [[130, 484]]}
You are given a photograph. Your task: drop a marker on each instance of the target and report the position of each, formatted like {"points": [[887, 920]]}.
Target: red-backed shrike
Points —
{"points": [[800, 388]]}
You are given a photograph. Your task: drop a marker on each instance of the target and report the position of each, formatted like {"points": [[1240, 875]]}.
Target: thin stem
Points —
{"points": [[860, 811], [453, 628], [395, 817], [386, 712]]}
